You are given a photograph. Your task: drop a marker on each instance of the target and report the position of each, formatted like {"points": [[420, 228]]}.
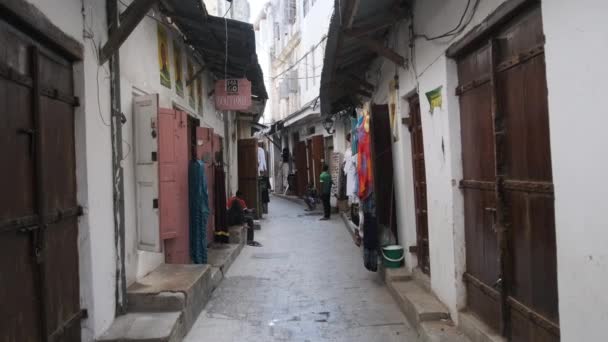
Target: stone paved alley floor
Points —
{"points": [[307, 283]]}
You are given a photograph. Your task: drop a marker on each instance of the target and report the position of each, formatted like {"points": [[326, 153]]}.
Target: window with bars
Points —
{"points": [[290, 11]]}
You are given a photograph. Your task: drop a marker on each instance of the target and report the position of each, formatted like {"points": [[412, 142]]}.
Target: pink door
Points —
{"points": [[205, 153], [173, 185]]}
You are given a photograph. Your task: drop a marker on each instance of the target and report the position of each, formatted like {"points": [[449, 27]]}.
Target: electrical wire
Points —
{"points": [[226, 55], [301, 59], [459, 28]]}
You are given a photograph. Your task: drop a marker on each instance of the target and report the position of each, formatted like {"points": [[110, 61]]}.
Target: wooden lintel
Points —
{"points": [[134, 15], [382, 50]]}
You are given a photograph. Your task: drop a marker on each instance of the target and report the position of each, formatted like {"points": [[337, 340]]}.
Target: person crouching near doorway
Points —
{"points": [[326, 184]]}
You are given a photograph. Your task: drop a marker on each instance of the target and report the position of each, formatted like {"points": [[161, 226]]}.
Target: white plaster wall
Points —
{"points": [[313, 28], [576, 50], [142, 76], [94, 163], [429, 70]]}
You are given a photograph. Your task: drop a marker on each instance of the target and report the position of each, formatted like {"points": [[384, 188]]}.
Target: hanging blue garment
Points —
{"points": [[354, 139], [199, 211]]}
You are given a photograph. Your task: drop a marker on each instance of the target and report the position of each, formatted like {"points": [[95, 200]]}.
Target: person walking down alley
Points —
{"points": [[326, 184]]}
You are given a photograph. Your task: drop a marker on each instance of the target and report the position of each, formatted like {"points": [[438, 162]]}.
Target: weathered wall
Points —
{"points": [[94, 161], [441, 130], [576, 45], [141, 76]]}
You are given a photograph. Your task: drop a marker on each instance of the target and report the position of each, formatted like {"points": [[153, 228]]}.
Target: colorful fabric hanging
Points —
{"points": [[199, 211], [364, 161], [221, 227]]}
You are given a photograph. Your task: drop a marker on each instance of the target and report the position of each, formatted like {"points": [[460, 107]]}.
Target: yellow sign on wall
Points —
{"points": [[163, 57]]}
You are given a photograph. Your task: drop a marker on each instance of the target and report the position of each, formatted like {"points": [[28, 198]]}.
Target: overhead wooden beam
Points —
{"points": [[134, 14], [353, 13], [361, 82], [382, 50]]}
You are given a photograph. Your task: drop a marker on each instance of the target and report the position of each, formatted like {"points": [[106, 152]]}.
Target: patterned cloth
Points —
{"points": [[199, 211], [364, 161]]}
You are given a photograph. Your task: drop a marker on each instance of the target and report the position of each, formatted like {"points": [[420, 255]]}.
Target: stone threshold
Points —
{"points": [[422, 309], [163, 305]]}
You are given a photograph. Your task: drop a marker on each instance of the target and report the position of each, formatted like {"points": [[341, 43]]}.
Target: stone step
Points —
{"points": [[417, 304], [396, 274], [223, 255], [183, 288], [476, 330], [146, 327], [238, 234], [441, 331]]}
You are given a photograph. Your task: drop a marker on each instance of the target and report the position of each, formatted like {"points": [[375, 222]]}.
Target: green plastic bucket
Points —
{"points": [[392, 256]]}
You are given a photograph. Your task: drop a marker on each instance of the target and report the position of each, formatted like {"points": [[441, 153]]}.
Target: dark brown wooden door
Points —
{"points": [[248, 171], [509, 211], [382, 167], [317, 153], [301, 167], [39, 282], [422, 223]]}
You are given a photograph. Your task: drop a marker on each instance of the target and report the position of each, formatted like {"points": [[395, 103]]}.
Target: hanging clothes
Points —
{"points": [[199, 211], [350, 170], [364, 161], [370, 242], [353, 136], [222, 235]]}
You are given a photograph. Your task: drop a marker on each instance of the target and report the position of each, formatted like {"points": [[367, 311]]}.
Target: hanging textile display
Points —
{"points": [[364, 161], [370, 237], [199, 211], [221, 227]]}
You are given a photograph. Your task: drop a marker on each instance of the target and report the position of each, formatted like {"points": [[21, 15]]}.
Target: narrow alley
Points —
{"points": [[306, 283]]}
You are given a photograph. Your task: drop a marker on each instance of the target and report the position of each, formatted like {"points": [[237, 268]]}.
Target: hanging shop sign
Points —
{"points": [[435, 99], [234, 94]]}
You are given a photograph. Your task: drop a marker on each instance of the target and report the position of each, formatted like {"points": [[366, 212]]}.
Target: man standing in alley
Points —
{"points": [[326, 184]]}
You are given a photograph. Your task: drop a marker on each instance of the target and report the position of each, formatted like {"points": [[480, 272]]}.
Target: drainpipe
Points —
{"points": [[118, 119], [227, 160]]}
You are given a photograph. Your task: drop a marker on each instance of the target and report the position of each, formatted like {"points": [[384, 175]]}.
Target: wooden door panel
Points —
{"points": [[173, 160], [302, 172], [317, 148], [528, 152], [19, 312], [248, 171], [147, 167], [522, 195], [477, 137], [420, 197], [38, 225], [17, 165]]}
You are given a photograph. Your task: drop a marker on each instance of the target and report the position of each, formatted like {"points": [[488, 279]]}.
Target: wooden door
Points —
{"points": [[509, 211], [173, 185], [301, 167], [382, 167], [317, 155], [39, 296], [420, 199], [248, 171]]}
